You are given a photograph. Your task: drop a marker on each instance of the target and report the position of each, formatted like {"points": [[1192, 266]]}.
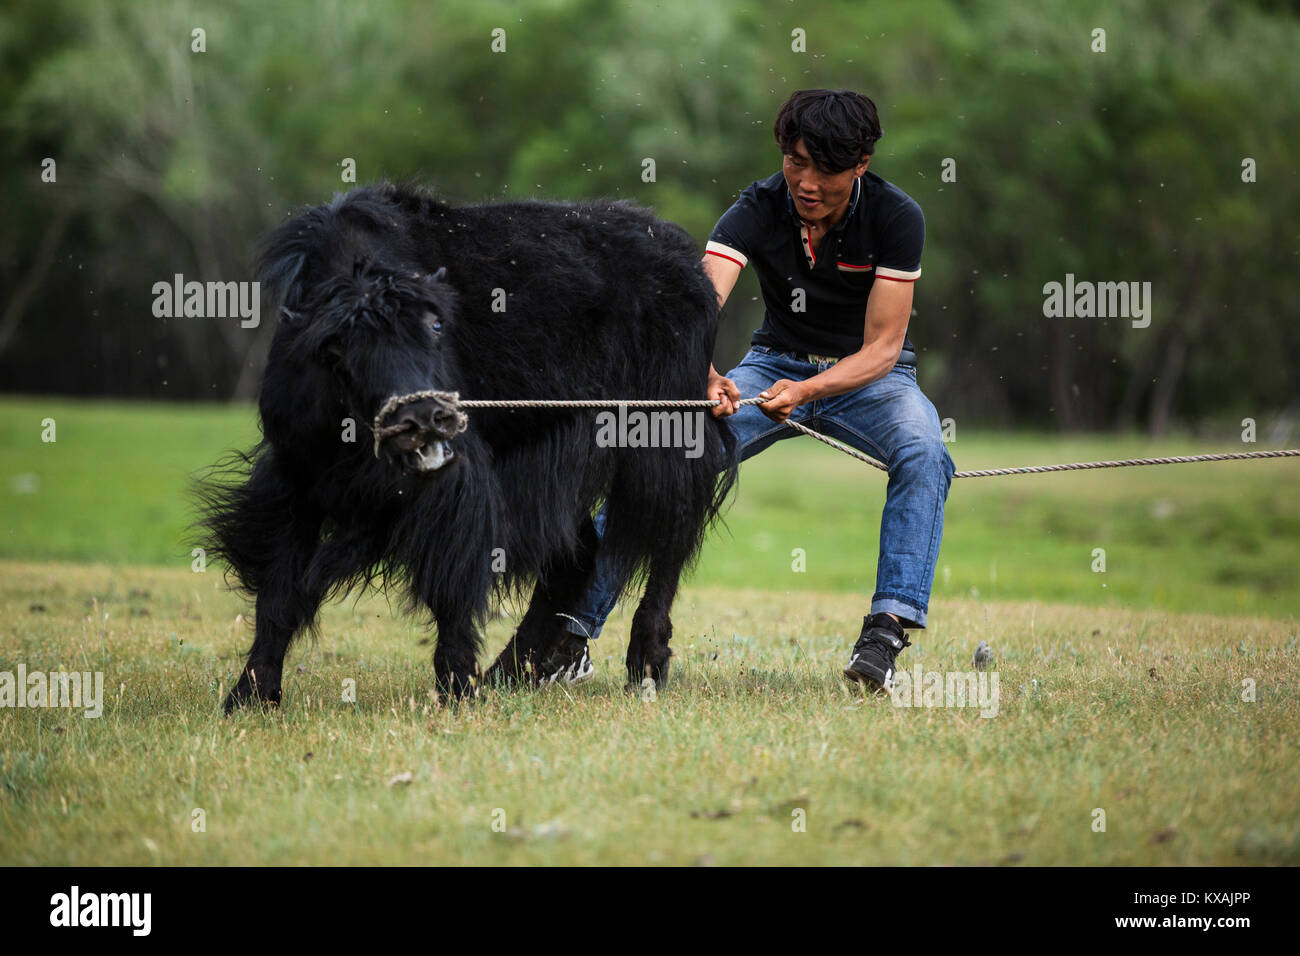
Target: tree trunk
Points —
{"points": [[27, 286], [1162, 398], [254, 360], [1061, 396]]}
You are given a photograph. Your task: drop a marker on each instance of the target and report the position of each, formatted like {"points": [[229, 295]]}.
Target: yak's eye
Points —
{"points": [[432, 322]]}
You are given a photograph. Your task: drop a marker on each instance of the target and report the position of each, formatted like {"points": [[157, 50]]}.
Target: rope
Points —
{"points": [[446, 401], [452, 402], [1127, 463], [600, 403], [827, 440], [1073, 466]]}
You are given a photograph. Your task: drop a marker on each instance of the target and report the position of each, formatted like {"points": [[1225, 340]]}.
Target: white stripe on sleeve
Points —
{"points": [[902, 275], [735, 255]]}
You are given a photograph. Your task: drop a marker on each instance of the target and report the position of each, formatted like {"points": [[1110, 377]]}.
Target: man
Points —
{"points": [[836, 250]]}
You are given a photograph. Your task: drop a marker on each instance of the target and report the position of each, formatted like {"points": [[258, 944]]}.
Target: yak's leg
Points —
{"points": [[291, 588], [291, 594], [652, 628], [286, 602], [260, 679], [455, 659], [270, 538], [554, 594]]}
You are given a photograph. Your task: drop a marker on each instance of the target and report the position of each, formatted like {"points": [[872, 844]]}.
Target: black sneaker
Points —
{"points": [[872, 663], [567, 662]]}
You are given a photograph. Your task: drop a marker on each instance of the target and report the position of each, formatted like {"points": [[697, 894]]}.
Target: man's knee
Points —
{"points": [[924, 456]]}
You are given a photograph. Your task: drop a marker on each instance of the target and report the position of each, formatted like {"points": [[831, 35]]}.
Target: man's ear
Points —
{"points": [[862, 166]]}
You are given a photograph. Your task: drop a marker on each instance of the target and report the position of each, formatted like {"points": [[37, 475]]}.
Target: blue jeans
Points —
{"points": [[892, 421]]}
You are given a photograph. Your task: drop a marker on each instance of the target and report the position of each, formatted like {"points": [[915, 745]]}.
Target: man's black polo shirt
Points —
{"points": [[879, 236]]}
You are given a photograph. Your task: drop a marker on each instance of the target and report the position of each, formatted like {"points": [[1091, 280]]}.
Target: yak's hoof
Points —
{"points": [[647, 690], [242, 698], [456, 688], [247, 691], [637, 676]]}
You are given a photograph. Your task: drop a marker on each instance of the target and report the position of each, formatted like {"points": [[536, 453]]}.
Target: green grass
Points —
{"points": [[112, 487], [1139, 714], [1223, 537], [1121, 691]]}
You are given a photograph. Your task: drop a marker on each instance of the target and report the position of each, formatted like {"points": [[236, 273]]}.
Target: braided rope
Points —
{"points": [[1127, 463], [827, 440], [452, 402], [1042, 469], [600, 403], [448, 401]]}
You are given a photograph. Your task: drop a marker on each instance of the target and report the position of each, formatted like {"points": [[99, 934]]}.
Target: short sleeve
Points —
{"points": [[738, 231], [900, 244]]}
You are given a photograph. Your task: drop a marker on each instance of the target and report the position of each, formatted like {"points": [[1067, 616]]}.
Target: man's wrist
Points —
{"points": [[808, 390]]}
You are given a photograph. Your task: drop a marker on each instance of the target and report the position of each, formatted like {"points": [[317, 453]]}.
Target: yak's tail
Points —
{"points": [[236, 501]]}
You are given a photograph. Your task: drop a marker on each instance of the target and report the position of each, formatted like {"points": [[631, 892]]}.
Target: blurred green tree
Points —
{"points": [[1123, 165]]}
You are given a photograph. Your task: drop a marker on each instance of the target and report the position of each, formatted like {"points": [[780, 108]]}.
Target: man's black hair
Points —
{"points": [[838, 127]]}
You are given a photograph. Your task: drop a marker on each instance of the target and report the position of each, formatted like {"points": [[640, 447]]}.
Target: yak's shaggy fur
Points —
{"points": [[601, 301]]}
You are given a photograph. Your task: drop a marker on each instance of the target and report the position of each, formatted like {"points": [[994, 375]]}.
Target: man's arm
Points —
{"points": [[889, 308], [723, 273]]}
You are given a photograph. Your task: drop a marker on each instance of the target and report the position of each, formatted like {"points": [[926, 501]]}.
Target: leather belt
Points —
{"points": [[905, 357]]}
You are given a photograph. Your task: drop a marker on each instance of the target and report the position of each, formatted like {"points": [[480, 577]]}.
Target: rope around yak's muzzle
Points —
{"points": [[451, 402], [446, 401]]}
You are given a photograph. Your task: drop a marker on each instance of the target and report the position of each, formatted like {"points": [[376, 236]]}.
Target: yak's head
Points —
{"points": [[378, 336]]}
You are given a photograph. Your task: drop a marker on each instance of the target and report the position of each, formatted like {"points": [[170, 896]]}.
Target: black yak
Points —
{"points": [[386, 292]]}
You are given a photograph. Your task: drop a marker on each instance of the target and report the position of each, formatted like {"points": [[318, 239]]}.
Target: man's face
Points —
{"points": [[819, 197]]}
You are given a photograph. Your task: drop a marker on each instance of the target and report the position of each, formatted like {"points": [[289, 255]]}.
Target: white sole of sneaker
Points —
{"points": [[580, 678], [868, 684]]}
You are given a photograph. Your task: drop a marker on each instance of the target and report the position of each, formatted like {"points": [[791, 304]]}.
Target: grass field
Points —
{"points": [[1132, 698], [1138, 714]]}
